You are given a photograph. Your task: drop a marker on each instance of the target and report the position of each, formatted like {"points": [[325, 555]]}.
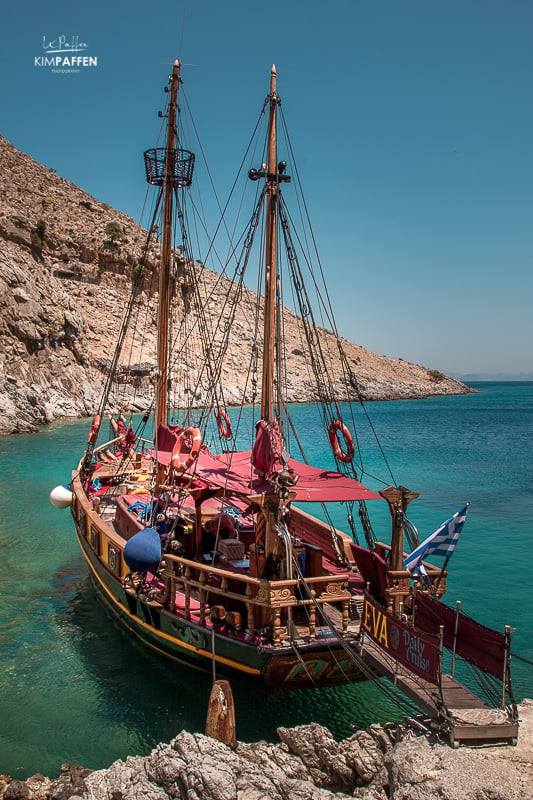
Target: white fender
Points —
{"points": [[61, 497]]}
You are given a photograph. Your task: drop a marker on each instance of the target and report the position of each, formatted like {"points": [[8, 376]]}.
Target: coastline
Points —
{"points": [[18, 418], [384, 762], [64, 287]]}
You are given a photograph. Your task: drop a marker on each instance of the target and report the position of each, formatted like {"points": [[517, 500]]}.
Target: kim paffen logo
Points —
{"points": [[65, 54]]}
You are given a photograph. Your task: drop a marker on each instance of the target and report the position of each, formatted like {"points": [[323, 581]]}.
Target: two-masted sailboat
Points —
{"points": [[198, 537]]}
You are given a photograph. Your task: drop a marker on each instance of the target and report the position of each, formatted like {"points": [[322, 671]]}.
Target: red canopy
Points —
{"points": [[234, 473]]}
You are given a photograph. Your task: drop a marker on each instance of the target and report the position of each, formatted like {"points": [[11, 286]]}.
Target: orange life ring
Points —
{"points": [[224, 425], [176, 463], [338, 452], [93, 433]]}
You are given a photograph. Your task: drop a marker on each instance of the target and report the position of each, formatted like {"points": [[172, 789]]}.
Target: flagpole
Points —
{"points": [[442, 572], [455, 632]]}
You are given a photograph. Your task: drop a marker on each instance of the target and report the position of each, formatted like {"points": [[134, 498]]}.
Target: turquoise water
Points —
{"points": [[75, 688]]}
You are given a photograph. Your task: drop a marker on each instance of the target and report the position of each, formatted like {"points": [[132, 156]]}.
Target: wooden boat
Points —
{"points": [[201, 544]]}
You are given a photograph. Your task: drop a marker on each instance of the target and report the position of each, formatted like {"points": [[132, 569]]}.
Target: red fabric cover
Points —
{"points": [[166, 439], [130, 437], [373, 569], [268, 447], [476, 643], [234, 473]]}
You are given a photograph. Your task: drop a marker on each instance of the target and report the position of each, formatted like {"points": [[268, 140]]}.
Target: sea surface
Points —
{"points": [[76, 688]]}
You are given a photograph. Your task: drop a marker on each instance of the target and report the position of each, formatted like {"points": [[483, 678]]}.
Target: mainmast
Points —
{"points": [[166, 253], [267, 387], [274, 502]]}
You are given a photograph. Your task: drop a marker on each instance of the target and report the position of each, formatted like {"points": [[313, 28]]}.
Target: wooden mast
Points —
{"points": [[266, 521], [267, 386], [166, 254]]}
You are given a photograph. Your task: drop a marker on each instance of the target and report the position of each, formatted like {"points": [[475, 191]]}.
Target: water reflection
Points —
{"points": [[158, 697]]}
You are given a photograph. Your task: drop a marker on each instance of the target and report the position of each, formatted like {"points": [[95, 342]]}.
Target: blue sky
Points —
{"points": [[412, 124]]}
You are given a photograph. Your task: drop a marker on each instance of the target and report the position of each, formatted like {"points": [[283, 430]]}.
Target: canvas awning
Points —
{"points": [[233, 472]]}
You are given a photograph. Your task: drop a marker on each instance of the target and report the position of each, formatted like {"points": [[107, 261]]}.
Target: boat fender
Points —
{"points": [[338, 452], [142, 553], [176, 463], [61, 496], [93, 433], [224, 424]]}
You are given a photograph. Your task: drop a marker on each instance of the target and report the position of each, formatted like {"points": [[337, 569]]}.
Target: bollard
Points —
{"points": [[221, 714]]}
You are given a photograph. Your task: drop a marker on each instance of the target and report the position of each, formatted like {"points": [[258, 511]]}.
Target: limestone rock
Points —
{"points": [[70, 782], [419, 770], [363, 754], [39, 786], [17, 790], [272, 761], [415, 766], [320, 754], [124, 780], [63, 291]]}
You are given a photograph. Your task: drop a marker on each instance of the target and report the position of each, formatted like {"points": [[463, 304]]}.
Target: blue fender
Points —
{"points": [[142, 552]]}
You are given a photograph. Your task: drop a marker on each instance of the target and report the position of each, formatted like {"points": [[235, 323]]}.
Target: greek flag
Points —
{"points": [[440, 543]]}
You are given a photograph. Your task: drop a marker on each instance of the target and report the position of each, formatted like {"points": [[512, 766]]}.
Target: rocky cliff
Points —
{"points": [[66, 263], [390, 762]]}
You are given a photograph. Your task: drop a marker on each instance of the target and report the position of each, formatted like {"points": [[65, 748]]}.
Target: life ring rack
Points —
{"points": [[224, 424], [345, 456], [176, 463]]}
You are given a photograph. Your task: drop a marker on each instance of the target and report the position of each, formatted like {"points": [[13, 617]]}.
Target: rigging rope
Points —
{"points": [[358, 660]]}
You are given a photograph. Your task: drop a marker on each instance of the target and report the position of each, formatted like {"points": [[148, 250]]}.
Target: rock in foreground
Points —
{"points": [[391, 762]]}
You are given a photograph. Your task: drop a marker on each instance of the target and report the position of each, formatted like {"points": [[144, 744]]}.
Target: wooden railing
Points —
{"points": [[267, 602]]}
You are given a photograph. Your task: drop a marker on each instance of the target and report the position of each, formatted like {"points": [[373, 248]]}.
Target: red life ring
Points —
{"points": [[224, 425], [93, 433], [176, 463], [338, 452]]}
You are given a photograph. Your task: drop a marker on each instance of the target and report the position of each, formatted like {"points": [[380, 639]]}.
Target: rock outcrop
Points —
{"points": [[66, 264], [390, 762]]}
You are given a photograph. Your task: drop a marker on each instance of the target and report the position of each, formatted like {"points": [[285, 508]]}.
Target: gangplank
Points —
{"points": [[454, 709]]}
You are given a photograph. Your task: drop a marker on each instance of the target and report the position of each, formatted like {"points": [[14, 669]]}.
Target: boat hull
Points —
{"points": [[317, 664]]}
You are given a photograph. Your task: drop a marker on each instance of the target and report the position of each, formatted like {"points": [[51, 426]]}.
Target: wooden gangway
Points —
{"points": [[461, 714]]}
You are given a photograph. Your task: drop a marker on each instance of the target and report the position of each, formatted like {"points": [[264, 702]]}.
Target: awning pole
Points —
{"points": [[506, 662], [441, 648], [455, 631]]}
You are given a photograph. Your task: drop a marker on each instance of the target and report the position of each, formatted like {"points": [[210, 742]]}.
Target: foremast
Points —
{"points": [[166, 254]]}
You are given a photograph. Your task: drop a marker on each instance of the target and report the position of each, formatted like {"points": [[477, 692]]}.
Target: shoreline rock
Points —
{"points": [[65, 281], [383, 762]]}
